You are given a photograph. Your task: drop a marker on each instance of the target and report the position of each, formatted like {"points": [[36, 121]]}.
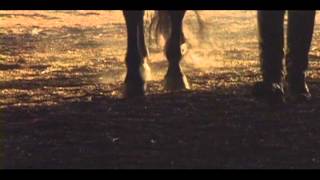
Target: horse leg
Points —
{"points": [[175, 78], [137, 68], [300, 31]]}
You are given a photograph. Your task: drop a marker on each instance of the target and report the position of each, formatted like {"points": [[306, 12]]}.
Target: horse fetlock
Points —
{"points": [[134, 89]]}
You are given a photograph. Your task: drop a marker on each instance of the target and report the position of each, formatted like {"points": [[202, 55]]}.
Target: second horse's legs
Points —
{"points": [[300, 30]]}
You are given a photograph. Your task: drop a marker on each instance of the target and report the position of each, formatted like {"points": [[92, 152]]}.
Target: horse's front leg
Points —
{"points": [[175, 78], [137, 68]]}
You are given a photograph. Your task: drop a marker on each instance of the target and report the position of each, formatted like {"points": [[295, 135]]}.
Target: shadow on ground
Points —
{"points": [[224, 128]]}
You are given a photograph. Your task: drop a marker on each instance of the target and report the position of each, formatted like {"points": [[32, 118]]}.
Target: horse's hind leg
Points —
{"points": [[137, 69], [175, 78]]}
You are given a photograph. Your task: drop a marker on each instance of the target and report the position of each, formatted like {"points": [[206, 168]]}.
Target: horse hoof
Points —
{"points": [[131, 91], [300, 98], [135, 83], [176, 83], [272, 93]]}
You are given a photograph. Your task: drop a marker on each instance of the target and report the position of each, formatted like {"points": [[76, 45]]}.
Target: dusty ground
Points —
{"points": [[61, 74]]}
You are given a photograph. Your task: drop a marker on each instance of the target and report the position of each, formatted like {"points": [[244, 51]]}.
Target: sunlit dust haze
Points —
{"points": [[73, 55]]}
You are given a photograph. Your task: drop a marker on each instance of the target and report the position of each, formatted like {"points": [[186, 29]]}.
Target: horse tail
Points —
{"points": [[160, 26], [201, 25]]}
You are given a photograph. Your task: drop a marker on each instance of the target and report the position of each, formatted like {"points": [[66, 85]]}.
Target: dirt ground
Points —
{"points": [[61, 75]]}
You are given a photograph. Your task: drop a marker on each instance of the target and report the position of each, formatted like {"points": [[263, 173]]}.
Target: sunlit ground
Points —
{"points": [[50, 56], [61, 73]]}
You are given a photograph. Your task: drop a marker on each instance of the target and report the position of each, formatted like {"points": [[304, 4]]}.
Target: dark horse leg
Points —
{"points": [[300, 32], [271, 42], [175, 78], [137, 67]]}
